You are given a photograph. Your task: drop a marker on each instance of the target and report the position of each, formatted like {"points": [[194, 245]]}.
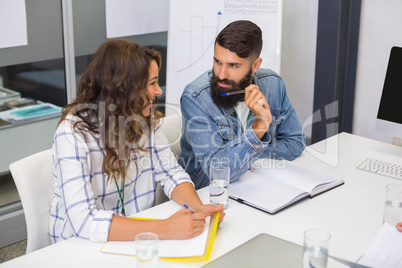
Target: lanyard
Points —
{"points": [[121, 193], [248, 117]]}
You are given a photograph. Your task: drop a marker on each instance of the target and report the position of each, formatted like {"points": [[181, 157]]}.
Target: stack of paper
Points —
{"points": [[386, 249]]}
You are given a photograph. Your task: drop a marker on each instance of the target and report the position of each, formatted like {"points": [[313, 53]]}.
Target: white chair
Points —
{"points": [[171, 127], [33, 177]]}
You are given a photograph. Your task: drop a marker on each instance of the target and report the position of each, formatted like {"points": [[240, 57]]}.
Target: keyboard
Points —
{"points": [[381, 168]]}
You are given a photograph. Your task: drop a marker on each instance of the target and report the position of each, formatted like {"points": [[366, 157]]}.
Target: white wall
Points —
{"points": [[299, 38], [380, 29]]}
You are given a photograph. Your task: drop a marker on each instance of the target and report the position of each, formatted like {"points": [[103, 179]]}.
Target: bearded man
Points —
{"points": [[238, 112]]}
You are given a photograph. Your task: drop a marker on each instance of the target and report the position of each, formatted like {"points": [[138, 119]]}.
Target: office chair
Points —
{"points": [[171, 127], [33, 177]]}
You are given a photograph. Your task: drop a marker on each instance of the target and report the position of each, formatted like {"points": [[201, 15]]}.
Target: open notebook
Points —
{"points": [[188, 250], [273, 185]]}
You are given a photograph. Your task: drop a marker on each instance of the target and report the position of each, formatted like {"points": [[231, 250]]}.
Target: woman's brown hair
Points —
{"points": [[111, 91]]}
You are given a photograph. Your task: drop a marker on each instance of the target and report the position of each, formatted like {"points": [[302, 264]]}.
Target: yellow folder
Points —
{"points": [[213, 225]]}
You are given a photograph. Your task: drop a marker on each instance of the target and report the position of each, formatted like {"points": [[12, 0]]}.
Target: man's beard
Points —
{"points": [[231, 100]]}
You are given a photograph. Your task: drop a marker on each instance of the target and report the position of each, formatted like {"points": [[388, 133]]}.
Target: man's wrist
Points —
{"points": [[260, 128]]}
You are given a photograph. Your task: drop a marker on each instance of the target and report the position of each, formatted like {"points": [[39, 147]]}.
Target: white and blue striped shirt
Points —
{"points": [[84, 203]]}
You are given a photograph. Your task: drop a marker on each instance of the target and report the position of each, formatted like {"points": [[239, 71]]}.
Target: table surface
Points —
{"points": [[352, 213]]}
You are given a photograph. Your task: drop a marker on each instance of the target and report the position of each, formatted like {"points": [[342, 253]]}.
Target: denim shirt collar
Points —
{"points": [[228, 111]]}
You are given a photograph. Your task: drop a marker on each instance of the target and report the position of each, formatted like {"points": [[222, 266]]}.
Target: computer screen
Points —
{"points": [[389, 117]]}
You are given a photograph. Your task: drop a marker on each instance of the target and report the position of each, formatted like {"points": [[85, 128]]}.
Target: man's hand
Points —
{"points": [[255, 100]]}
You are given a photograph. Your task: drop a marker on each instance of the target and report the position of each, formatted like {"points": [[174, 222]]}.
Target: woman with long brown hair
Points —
{"points": [[109, 152]]}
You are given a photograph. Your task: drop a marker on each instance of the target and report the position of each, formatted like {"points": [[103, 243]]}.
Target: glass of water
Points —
{"points": [[219, 177], [146, 250], [315, 249], [393, 204]]}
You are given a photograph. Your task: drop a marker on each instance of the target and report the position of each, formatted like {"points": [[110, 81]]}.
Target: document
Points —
{"points": [[272, 185], [186, 250], [386, 249], [27, 114], [7, 95]]}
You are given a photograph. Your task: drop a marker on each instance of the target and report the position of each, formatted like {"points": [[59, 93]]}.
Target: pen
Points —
{"points": [[187, 207], [233, 93]]}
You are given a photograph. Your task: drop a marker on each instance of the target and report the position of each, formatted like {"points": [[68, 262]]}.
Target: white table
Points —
{"points": [[352, 213]]}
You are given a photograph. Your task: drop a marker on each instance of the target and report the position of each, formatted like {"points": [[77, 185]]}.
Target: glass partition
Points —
{"points": [[89, 18], [32, 90], [34, 75]]}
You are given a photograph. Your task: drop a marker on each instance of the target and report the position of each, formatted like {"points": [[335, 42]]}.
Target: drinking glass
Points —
{"points": [[315, 249], [393, 204], [219, 177], [146, 250]]}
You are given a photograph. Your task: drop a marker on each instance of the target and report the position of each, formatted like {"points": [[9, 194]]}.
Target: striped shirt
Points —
{"points": [[84, 202]]}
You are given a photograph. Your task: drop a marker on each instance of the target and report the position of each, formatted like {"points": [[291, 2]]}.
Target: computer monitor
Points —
{"points": [[389, 117]]}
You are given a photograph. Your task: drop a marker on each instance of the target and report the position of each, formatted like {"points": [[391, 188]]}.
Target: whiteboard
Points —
{"points": [[194, 25]]}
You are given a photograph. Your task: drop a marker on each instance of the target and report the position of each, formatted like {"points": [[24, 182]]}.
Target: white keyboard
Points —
{"points": [[381, 168]]}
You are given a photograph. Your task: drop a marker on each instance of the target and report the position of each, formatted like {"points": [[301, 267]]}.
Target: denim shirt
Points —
{"points": [[212, 133]]}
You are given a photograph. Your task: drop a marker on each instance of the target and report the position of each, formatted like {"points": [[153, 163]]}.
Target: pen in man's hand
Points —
{"points": [[187, 207], [233, 92]]}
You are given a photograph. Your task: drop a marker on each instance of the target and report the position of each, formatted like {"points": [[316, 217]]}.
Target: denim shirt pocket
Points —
{"points": [[276, 120], [226, 131]]}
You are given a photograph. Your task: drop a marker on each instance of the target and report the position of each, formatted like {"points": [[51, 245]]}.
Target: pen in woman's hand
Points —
{"points": [[187, 207]]}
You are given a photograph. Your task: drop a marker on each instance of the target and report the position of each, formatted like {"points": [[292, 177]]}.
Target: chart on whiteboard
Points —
{"points": [[193, 27]]}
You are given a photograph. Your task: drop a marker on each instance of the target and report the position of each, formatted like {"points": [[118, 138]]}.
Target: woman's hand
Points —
{"points": [[211, 209], [183, 225]]}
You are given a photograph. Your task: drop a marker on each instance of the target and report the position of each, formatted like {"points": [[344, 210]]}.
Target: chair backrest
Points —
{"points": [[33, 177], [171, 127]]}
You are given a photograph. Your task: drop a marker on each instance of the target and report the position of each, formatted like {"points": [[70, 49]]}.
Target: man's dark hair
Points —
{"points": [[241, 37]]}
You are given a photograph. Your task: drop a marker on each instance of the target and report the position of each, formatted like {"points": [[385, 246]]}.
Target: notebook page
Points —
{"points": [[267, 194], [167, 248], [292, 174]]}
